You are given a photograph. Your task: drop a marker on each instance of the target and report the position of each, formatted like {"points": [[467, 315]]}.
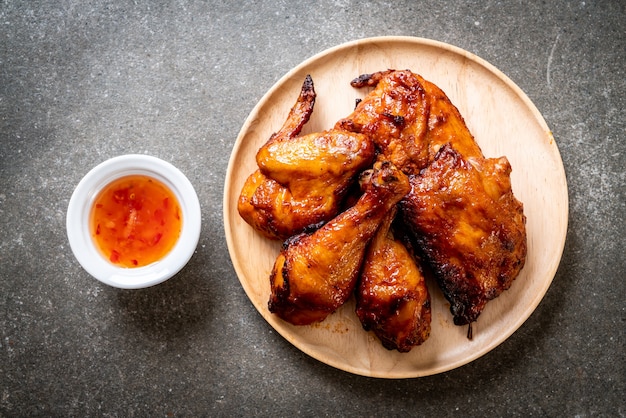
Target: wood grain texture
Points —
{"points": [[504, 122]]}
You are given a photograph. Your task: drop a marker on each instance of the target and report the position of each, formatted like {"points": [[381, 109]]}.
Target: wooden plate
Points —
{"points": [[504, 122]]}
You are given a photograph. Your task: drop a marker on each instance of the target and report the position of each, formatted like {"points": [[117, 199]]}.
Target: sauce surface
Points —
{"points": [[135, 221]]}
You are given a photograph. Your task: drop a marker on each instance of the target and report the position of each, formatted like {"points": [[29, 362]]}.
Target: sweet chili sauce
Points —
{"points": [[135, 221]]}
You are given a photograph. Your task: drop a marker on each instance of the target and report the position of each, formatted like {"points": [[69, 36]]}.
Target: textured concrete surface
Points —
{"points": [[82, 81]]}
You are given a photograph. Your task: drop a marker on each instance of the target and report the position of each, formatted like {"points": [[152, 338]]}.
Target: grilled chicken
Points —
{"points": [[392, 299], [446, 125], [302, 180], [394, 115], [409, 119], [470, 226], [461, 208], [463, 217], [315, 273]]}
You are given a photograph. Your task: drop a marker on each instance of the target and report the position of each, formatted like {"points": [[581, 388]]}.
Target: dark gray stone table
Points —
{"points": [[84, 81]]}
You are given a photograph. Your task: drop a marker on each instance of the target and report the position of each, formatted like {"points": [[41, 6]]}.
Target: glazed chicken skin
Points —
{"points": [[316, 273], [302, 180], [470, 226], [392, 298], [394, 115], [409, 119], [447, 126]]}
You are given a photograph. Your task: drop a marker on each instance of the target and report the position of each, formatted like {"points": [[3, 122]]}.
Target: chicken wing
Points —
{"points": [[470, 226], [316, 273], [302, 180], [391, 297]]}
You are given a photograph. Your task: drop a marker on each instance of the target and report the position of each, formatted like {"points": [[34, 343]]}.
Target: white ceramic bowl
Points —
{"points": [[78, 230]]}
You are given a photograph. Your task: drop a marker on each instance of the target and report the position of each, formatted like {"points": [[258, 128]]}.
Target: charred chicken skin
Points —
{"points": [[315, 273], [302, 180], [395, 116], [392, 299], [471, 228]]}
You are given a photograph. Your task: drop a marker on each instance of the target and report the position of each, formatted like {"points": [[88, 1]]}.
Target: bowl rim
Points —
{"points": [[79, 208]]}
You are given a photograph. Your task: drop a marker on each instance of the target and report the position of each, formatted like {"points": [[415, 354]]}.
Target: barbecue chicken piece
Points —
{"points": [[394, 115], [315, 273], [471, 228], [392, 299], [302, 180], [409, 119], [446, 125], [461, 209]]}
